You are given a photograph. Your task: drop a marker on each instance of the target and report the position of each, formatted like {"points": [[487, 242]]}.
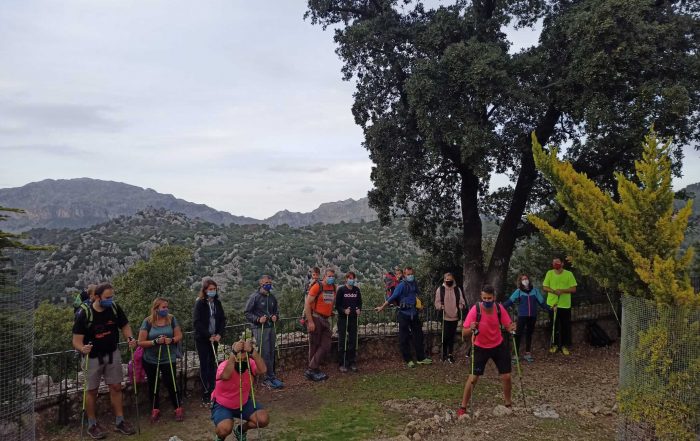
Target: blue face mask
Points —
{"points": [[330, 280], [267, 287], [107, 303], [487, 304], [163, 312], [410, 278], [350, 282], [211, 293]]}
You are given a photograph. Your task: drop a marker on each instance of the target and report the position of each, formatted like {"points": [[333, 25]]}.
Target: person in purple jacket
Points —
{"points": [[527, 297]]}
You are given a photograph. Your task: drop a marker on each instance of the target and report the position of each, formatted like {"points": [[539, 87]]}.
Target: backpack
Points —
{"points": [[135, 368], [596, 336], [307, 287], [390, 283], [460, 295], [87, 310], [498, 313], [79, 300]]}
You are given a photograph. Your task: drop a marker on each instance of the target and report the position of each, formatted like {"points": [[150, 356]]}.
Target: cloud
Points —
{"points": [[19, 117], [47, 149], [307, 189]]}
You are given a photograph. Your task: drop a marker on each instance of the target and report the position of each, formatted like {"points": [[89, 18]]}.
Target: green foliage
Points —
{"points": [[164, 274], [53, 325], [634, 245], [444, 104]]}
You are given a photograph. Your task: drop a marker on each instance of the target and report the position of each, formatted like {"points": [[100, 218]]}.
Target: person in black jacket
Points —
{"points": [[209, 322], [262, 312], [348, 303]]}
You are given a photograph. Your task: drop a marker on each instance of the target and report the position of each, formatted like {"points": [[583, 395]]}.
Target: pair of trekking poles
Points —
{"points": [[240, 394], [136, 395], [347, 334]]}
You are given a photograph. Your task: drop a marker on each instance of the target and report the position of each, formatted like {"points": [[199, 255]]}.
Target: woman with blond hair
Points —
{"points": [[159, 334]]}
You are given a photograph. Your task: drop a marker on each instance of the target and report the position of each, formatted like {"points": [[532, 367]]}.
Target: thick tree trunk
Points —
{"points": [[507, 235], [471, 229]]}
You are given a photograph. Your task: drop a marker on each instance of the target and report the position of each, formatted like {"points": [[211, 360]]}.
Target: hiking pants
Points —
{"points": [[267, 348], [449, 335], [349, 323], [207, 366], [526, 327], [165, 377], [410, 326], [562, 332], [320, 342]]}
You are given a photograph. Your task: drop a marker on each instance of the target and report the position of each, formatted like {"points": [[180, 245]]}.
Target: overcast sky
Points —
{"points": [[236, 104]]}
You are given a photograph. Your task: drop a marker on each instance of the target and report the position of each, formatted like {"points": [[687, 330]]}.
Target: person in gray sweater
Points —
{"points": [[262, 312]]}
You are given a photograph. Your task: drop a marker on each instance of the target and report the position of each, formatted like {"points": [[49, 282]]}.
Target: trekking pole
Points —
{"points": [[345, 350], [554, 321], [471, 399], [613, 308], [442, 337], [155, 387], [136, 394], [520, 372], [357, 333], [172, 374], [216, 355], [85, 382], [252, 392], [240, 396]]}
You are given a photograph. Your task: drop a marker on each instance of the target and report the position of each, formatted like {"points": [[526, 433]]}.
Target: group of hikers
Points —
{"points": [[228, 386]]}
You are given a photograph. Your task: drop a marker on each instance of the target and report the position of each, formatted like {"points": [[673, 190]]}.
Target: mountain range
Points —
{"points": [[85, 202]]}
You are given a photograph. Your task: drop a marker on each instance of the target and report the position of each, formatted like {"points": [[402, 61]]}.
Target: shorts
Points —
{"points": [[500, 355], [220, 413], [112, 372]]}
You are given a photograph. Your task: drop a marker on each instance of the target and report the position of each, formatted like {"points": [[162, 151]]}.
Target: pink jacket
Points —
{"points": [[451, 312]]}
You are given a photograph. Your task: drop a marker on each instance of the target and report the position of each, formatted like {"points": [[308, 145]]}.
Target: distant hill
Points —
{"points": [[84, 202], [79, 203]]}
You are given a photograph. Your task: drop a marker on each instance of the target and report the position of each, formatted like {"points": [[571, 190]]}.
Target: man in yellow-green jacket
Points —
{"points": [[559, 284]]}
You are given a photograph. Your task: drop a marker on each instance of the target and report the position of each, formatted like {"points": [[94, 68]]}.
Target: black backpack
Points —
{"points": [[596, 336], [498, 313], [460, 295]]}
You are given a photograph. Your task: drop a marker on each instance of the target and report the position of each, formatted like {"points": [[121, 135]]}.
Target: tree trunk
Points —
{"points": [[507, 235], [471, 242]]}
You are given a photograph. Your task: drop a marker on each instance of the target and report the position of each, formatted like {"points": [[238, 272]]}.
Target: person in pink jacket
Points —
{"points": [[450, 300]]}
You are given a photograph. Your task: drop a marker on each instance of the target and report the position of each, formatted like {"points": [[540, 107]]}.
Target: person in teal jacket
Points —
{"points": [[528, 298]]}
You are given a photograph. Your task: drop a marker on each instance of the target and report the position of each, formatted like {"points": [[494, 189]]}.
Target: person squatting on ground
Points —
{"points": [[159, 334], [410, 326], [262, 312], [485, 323], [96, 336], [450, 300], [209, 323], [234, 396], [317, 310], [528, 297], [349, 306], [559, 284]]}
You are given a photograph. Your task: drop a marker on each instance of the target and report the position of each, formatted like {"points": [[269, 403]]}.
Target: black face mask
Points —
{"points": [[241, 367], [450, 282]]}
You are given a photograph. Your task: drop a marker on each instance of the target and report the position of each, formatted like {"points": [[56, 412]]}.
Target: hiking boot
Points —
{"points": [[565, 350], [450, 359], [321, 376], [553, 349], [268, 383], [239, 433], [410, 364], [310, 375], [353, 367], [514, 361], [155, 415], [343, 369], [95, 432], [461, 411], [528, 357], [124, 428], [179, 414], [426, 360], [277, 383]]}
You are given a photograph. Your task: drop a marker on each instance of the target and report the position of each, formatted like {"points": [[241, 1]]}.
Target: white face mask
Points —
{"points": [[525, 283]]}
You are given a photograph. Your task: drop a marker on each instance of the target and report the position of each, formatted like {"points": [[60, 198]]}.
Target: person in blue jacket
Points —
{"points": [[527, 297]]}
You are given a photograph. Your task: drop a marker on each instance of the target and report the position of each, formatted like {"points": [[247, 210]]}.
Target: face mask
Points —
{"points": [[163, 312], [557, 266], [241, 367], [330, 280], [450, 282], [211, 293], [350, 282], [525, 283], [410, 278], [267, 287], [107, 303], [487, 304]]}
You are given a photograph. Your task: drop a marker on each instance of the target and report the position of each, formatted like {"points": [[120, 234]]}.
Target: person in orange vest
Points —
{"points": [[317, 310]]}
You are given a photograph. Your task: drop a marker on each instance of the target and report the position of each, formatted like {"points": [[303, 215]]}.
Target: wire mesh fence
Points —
{"points": [[16, 346], [659, 371]]}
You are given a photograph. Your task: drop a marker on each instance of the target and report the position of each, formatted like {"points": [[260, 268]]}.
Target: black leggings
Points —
{"points": [[562, 331], [166, 376], [526, 326], [449, 338]]}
